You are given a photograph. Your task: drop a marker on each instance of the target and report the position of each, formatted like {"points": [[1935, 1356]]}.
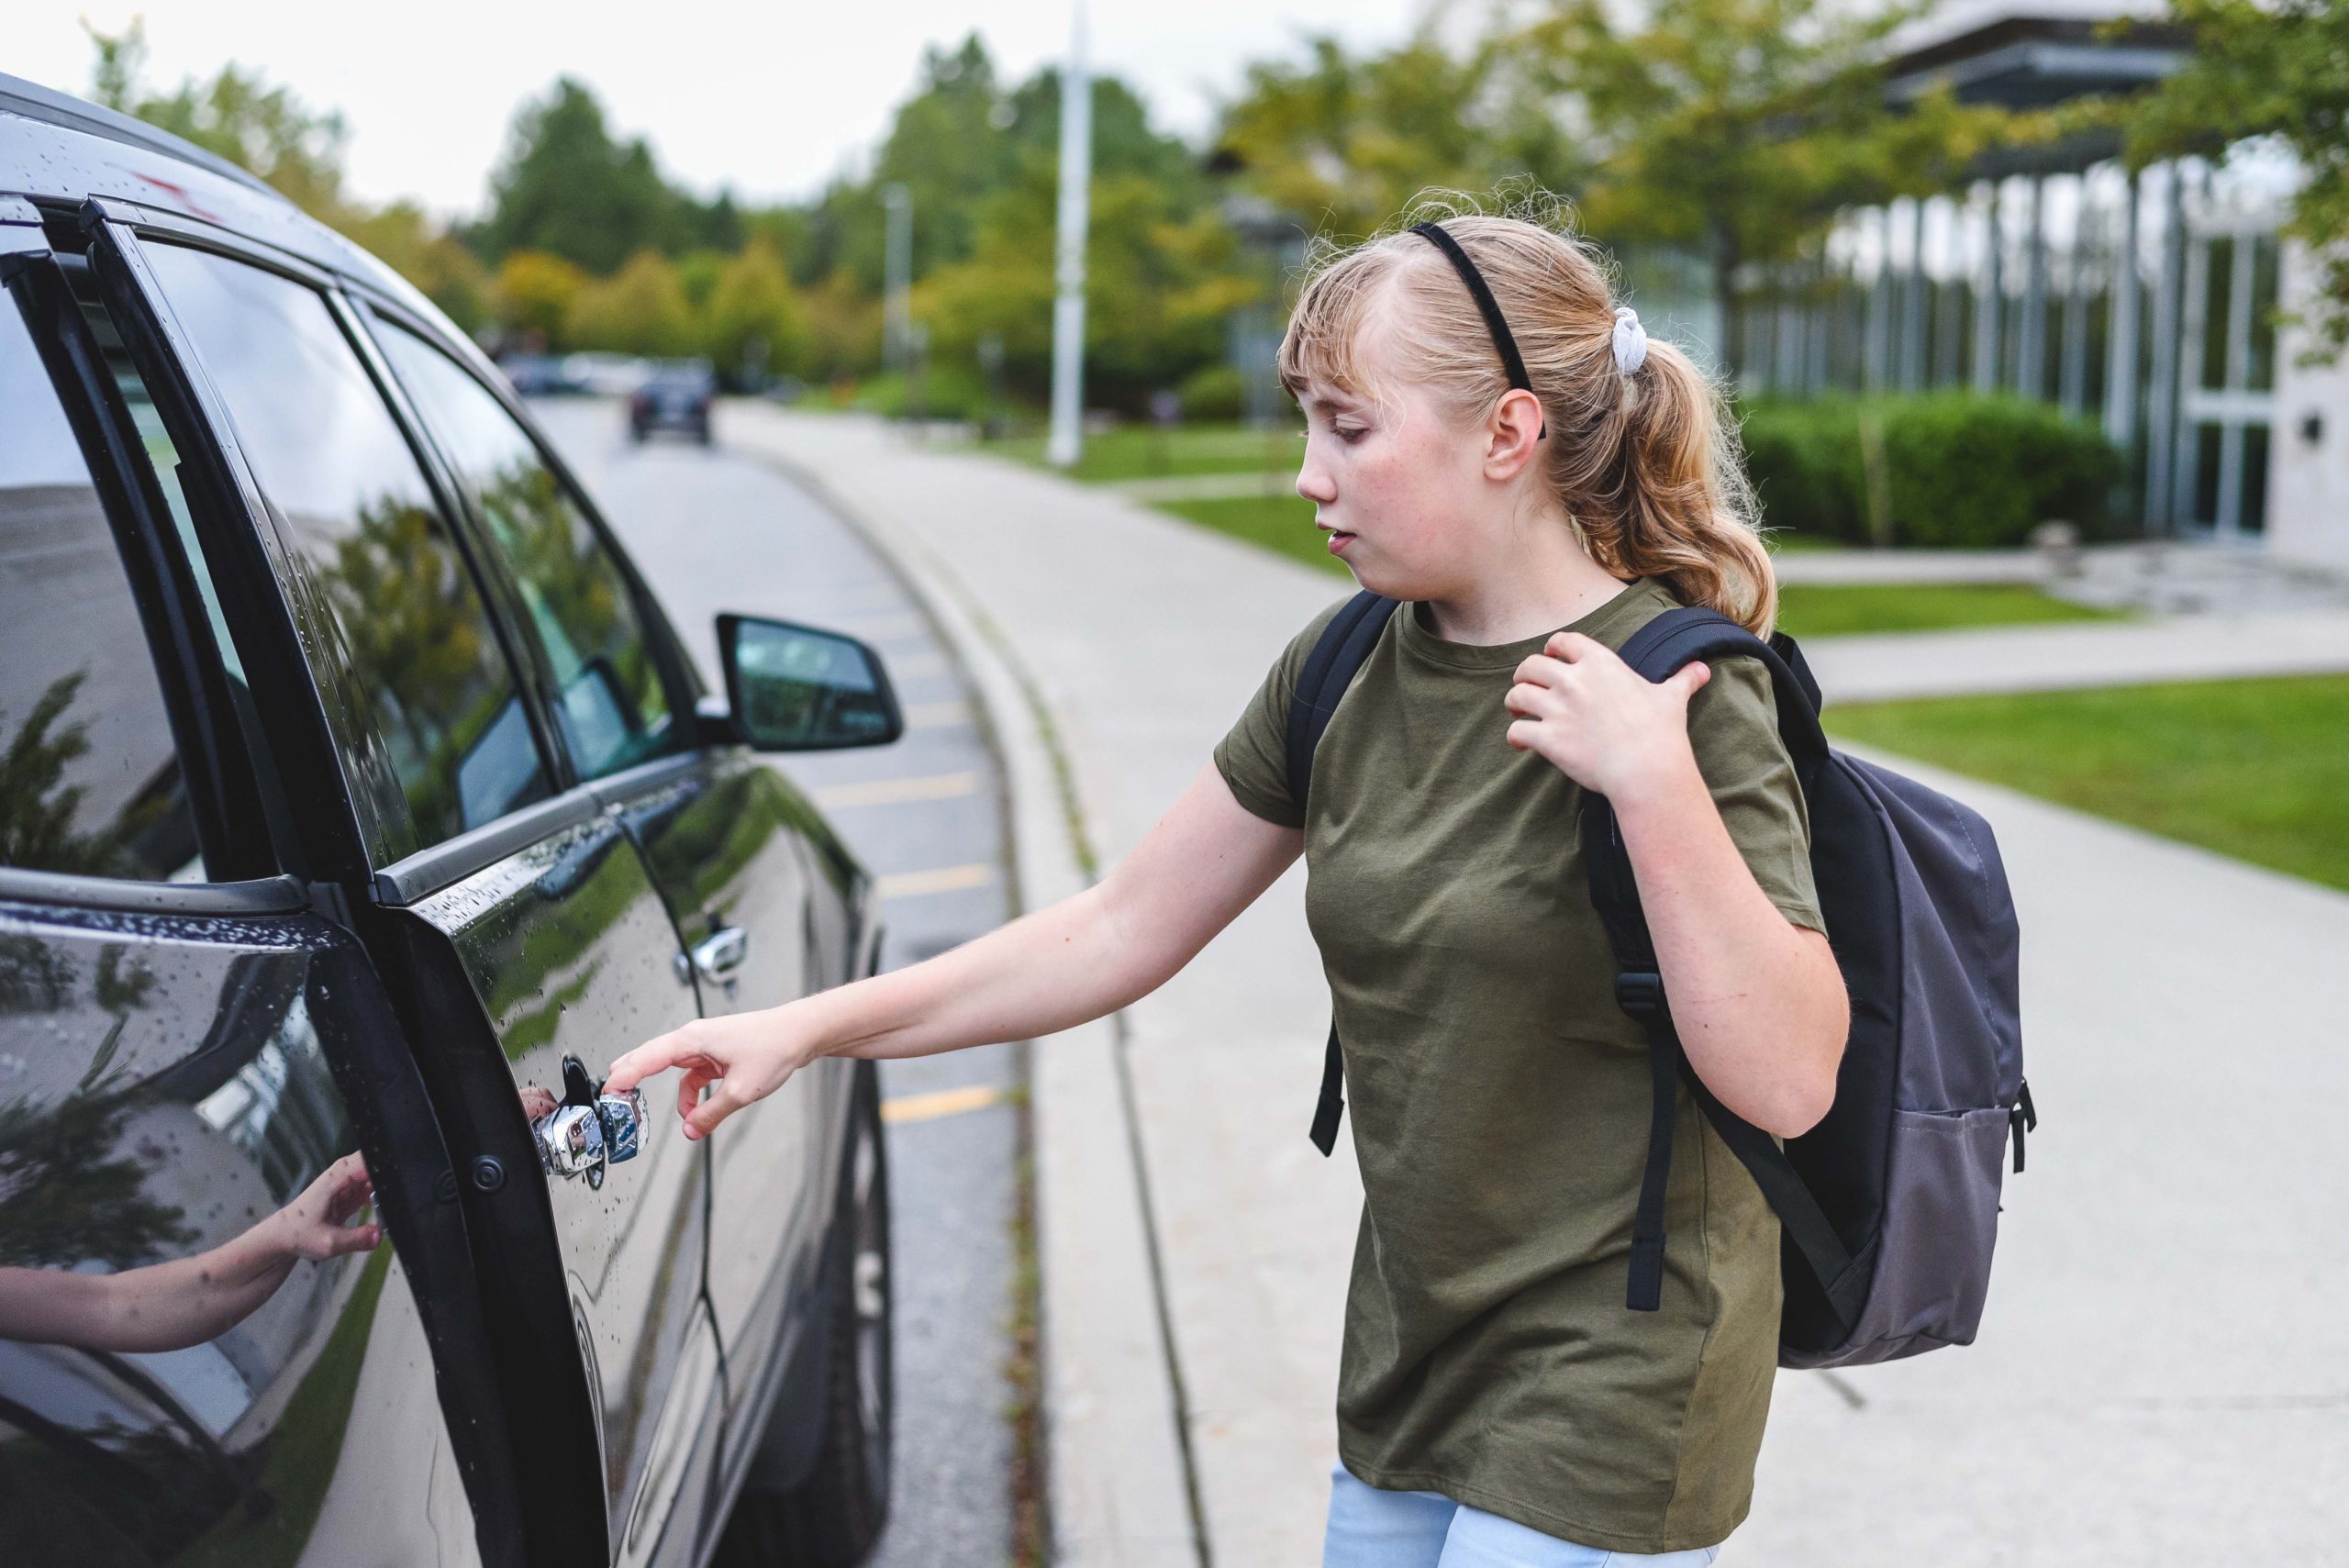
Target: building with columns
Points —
{"points": [[2146, 302]]}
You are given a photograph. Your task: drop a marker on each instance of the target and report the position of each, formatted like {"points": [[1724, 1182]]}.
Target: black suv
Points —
{"points": [[357, 806], [676, 396]]}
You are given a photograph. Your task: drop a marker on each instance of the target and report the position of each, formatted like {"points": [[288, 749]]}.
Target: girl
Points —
{"points": [[1493, 442]]}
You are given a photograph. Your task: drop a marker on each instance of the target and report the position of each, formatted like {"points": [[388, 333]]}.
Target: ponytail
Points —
{"points": [[1646, 465]]}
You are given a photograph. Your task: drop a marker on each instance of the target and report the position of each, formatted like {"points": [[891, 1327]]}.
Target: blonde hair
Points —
{"points": [[1646, 465]]}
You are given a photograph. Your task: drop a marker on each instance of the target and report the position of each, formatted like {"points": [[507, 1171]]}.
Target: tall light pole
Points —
{"points": [[897, 265], [1068, 304]]}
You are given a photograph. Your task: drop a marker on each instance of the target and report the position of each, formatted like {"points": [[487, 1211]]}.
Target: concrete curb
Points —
{"points": [[1118, 1488]]}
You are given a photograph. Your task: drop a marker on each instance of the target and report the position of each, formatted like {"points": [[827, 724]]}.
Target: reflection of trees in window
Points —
{"points": [[576, 596], [419, 645], [39, 809], [66, 1196]]}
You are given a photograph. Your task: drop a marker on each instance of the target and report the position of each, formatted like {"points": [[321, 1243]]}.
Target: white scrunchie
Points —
{"points": [[1630, 340]]}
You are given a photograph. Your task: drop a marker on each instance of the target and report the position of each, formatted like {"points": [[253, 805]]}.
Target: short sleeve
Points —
{"points": [[1253, 756], [1733, 730]]}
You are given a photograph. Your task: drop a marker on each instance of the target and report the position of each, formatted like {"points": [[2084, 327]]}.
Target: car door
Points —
{"points": [[522, 937], [723, 837], [207, 1354]]}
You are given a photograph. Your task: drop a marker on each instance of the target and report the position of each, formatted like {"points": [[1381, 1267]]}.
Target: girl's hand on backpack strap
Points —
{"points": [[748, 1056], [1602, 725]]}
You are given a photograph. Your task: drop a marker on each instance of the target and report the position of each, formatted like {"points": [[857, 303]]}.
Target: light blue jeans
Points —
{"points": [[1374, 1528]]}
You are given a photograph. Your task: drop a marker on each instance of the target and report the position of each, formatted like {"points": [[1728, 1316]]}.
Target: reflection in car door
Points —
{"points": [[512, 943], [565, 950], [727, 843], [722, 836], [205, 1354]]}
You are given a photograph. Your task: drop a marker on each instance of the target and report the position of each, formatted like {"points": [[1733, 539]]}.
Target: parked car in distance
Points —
{"points": [[361, 805], [676, 398], [608, 375], [539, 375]]}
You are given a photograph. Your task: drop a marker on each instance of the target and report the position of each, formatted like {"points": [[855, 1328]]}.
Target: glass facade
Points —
{"points": [[2146, 304]]}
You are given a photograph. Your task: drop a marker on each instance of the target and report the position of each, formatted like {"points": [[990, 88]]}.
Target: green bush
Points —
{"points": [[949, 391], [1213, 393], [1961, 471]]}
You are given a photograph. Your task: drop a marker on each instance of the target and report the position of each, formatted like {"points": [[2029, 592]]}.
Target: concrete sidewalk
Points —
{"points": [[2164, 1371], [2077, 654]]}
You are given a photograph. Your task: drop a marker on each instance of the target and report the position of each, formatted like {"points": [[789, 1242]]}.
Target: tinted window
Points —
{"points": [[89, 777], [434, 701], [610, 706]]}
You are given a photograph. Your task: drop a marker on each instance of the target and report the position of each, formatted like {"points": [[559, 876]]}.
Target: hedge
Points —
{"points": [[1960, 468]]}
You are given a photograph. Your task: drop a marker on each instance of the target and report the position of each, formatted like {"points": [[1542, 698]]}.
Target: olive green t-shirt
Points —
{"points": [[1500, 1102]]}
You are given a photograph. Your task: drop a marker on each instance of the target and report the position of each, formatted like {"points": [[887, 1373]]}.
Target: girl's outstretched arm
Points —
{"points": [[1065, 964]]}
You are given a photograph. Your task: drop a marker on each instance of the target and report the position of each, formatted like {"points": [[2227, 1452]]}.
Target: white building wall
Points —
{"points": [[2308, 450]]}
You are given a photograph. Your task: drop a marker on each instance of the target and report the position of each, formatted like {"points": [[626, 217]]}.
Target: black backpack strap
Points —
{"points": [[1344, 643], [1333, 1104], [1657, 650], [1329, 670], [1679, 637]]}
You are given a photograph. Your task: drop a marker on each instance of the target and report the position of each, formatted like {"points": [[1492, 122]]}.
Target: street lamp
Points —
{"points": [[897, 267], [1067, 439]]}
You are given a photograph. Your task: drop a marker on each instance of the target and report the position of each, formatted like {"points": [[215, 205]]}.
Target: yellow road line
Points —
{"points": [[943, 1102], [947, 879], [898, 791]]}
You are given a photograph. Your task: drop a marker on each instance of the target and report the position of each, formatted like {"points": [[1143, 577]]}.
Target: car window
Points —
{"points": [[611, 704], [435, 703], [89, 777]]}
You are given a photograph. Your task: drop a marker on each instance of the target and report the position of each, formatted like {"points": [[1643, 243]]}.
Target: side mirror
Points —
{"points": [[793, 688]]}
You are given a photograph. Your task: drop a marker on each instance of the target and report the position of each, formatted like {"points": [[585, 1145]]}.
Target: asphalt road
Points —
{"points": [[713, 531]]}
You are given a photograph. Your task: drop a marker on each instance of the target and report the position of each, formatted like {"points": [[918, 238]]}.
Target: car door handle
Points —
{"points": [[721, 952], [588, 1129]]}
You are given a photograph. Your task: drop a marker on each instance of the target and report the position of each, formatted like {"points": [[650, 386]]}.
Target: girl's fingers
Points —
{"points": [[705, 1117], [689, 1088], [1574, 647], [357, 1239], [655, 1055], [1688, 679]]}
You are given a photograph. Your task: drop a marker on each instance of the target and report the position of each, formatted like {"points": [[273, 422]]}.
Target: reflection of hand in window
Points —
{"points": [[169, 1307]]}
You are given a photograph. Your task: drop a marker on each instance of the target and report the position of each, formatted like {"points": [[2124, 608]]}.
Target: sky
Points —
{"points": [[772, 99]]}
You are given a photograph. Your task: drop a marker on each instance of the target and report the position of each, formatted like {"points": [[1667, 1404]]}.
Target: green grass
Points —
{"points": [[1279, 523], [1809, 609], [2254, 769], [1285, 524], [1140, 451]]}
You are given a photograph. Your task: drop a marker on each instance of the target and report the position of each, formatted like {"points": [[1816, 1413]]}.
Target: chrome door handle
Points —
{"points": [[571, 1144], [716, 958], [718, 955], [589, 1130]]}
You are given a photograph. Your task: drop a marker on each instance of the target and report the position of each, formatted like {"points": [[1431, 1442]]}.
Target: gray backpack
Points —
{"points": [[1887, 1208]]}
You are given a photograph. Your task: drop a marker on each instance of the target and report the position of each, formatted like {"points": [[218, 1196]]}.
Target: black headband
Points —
{"points": [[1511, 361]]}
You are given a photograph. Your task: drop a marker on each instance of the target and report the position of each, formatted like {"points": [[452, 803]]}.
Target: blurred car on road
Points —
{"points": [[539, 375], [608, 375], [677, 398]]}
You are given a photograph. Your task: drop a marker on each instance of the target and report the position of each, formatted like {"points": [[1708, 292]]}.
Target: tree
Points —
{"points": [[640, 309], [567, 187], [426, 255], [1744, 126], [298, 151], [534, 292], [236, 116], [754, 320], [2276, 71], [1346, 141]]}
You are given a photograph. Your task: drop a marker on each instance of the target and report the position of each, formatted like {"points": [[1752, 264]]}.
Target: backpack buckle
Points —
{"points": [[1639, 993]]}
